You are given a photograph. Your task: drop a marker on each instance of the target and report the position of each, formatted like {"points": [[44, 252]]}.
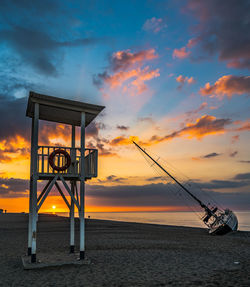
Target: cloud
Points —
{"points": [[122, 128], [160, 194], [123, 60], [12, 117], [210, 155], [242, 176], [195, 111], [15, 148], [14, 126], [182, 80], [223, 184], [148, 120], [154, 25], [102, 144], [244, 126], [112, 178], [244, 161], [126, 72], [235, 138], [137, 76], [233, 154], [13, 187], [37, 48], [165, 194], [156, 178], [93, 129], [181, 53], [227, 86], [223, 29], [213, 154], [191, 43], [206, 125], [120, 140]]}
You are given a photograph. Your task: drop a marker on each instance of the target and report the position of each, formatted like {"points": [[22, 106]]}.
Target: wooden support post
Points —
{"points": [[34, 183], [72, 205], [31, 193], [82, 189]]}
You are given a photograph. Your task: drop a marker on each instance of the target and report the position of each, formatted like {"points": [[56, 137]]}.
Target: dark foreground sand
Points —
{"points": [[126, 254]]}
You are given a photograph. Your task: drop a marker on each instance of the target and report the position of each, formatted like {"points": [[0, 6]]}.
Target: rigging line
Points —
{"points": [[162, 175], [200, 191], [208, 195], [201, 203], [173, 186]]}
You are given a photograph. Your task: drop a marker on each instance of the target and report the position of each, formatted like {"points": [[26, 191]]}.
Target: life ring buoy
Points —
{"points": [[52, 160]]}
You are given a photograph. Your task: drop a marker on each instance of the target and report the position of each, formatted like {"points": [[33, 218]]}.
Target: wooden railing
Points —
{"points": [[44, 168]]}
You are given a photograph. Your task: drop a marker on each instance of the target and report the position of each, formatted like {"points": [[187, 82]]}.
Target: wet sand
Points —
{"points": [[125, 254]]}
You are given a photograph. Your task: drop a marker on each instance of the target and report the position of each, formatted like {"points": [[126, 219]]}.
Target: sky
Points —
{"points": [[173, 75]]}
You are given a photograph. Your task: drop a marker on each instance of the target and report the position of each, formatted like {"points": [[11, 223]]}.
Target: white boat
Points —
{"points": [[218, 221]]}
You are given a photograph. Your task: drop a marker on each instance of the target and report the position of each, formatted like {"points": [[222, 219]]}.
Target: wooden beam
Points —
{"points": [[47, 192], [69, 191], [43, 191]]}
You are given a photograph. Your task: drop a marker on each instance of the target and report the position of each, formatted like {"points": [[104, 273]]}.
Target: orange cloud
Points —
{"points": [[181, 53], [227, 86], [182, 80], [54, 133], [126, 59], [206, 125], [144, 76], [121, 140], [15, 148]]}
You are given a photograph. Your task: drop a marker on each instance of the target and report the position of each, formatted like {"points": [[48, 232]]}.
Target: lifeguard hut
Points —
{"points": [[60, 166]]}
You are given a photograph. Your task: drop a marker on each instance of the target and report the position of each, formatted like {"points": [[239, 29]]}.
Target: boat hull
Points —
{"points": [[221, 230], [230, 224]]}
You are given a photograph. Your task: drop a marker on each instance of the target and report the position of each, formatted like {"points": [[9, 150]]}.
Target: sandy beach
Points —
{"points": [[125, 254]]}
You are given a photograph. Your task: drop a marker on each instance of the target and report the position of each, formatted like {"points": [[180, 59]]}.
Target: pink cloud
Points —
{"points": [[244, 126], [126, 59], [127, 72], [138, 76], [192, 42], [181, 53]]}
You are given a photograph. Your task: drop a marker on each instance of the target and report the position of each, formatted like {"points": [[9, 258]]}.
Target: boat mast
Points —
{"points": [[182, 186]]}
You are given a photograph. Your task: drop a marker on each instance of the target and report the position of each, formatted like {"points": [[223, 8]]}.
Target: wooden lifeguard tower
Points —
{"points": [[55, 164]]}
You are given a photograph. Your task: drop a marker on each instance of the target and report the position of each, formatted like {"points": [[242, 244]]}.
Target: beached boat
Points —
{"points": [[219, 221]]}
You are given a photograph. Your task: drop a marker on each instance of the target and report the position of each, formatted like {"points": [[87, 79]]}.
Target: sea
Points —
{"points": [[164, 218]]}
